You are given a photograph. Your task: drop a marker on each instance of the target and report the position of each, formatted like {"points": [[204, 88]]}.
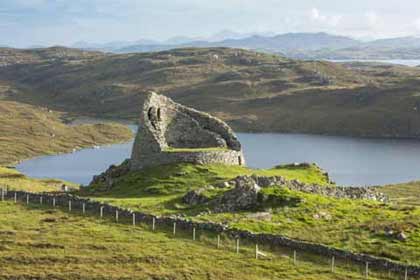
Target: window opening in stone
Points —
{"points": [[240, 160], [158, 115], [149, 113]]}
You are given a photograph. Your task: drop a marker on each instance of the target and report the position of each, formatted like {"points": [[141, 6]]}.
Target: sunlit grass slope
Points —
{"points": [[27, 131], [358, 225], [14, 180], [40, 243]]}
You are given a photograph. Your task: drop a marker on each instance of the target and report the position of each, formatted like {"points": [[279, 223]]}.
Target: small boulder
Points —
{"points": [[195, 197], [244, 196], [402, 236]]}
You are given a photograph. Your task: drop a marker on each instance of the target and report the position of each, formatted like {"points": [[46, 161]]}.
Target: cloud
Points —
{"points": [[373, 20], [332, 20]]}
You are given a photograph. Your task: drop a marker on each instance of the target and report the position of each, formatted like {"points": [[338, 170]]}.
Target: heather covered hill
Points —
{"points": [[10, 56], [252, 91]]}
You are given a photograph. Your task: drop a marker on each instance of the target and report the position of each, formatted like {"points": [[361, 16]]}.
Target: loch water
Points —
{"points": [[349, 161]]}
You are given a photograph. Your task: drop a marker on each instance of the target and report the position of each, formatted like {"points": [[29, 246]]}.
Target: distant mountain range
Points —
{"points": [[294, 45]]}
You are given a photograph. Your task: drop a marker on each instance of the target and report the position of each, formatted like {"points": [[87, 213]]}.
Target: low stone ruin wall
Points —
{"points": [[62, 200], [332, 191], [227, 157]]}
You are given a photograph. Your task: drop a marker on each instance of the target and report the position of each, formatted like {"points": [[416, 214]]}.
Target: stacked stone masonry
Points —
{"points": [[171, 133]]}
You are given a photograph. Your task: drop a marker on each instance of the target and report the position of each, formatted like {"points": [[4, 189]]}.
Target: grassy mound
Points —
{"points": [[159, 189], [358, 225]]}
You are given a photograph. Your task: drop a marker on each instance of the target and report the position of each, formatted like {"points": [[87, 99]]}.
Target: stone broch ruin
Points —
{"points": [[172, 133]]}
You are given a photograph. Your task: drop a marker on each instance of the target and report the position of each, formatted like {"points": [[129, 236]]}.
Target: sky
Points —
{"points": [[26, 23]]}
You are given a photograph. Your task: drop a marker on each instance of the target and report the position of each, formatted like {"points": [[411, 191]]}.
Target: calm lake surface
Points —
{"points": [[349, 161]]}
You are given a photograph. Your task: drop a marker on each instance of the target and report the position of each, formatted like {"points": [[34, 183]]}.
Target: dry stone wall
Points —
{"points": [[259, 238], [171, 133]]}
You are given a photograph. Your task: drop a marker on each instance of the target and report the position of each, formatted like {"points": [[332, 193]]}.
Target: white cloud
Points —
{"points": [[373, 19], [332, 20]]}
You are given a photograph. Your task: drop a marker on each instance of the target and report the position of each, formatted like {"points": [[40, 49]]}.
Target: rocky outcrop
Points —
{"points": [[108, 177], [244, 196], [369, 193], [243, 193], [172, 133], [195, 197]]}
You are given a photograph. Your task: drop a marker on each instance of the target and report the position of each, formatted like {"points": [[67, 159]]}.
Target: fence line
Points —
{"points": [[261, 239]]}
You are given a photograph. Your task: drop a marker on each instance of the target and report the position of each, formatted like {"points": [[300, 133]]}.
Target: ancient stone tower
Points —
{"points": [[172, 133]]}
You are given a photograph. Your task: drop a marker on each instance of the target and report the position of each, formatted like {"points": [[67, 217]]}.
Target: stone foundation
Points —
{"points": [[228, 157]]}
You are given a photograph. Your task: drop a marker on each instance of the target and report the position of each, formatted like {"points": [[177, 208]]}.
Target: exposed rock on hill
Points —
{"points": [[244, 193]]}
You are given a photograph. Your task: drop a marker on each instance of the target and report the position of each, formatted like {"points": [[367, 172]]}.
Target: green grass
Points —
{"points": [[404, 194], [15, 180], [356, 225], [348, 224], [159, 189], [41, 243]]}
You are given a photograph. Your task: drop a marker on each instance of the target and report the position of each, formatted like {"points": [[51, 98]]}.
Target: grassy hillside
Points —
{"points": [[14, 180], [357, 225], [252, 91], [404, 194], [40, 243], [9, 56], [28, 131]]}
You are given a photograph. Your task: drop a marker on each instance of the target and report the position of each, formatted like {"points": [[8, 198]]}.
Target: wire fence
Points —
{"points": [[219, 238]]}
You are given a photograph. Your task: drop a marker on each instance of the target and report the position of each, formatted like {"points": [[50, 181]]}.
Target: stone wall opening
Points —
{"points": [[159, 117]]}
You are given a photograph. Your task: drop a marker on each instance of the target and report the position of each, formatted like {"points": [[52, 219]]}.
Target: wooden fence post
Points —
{"points": [[53, 201], [40, 200], [194, 234], [153, 224], [237, 245], [333, 264], [406, 274], [294, 257], [116, 216], [174, 231], [27, 199], [256, 251], [134, 219], [69, 205], [84, 208], [15, 197], [218, 241], [367, 270], [101, 212]]}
